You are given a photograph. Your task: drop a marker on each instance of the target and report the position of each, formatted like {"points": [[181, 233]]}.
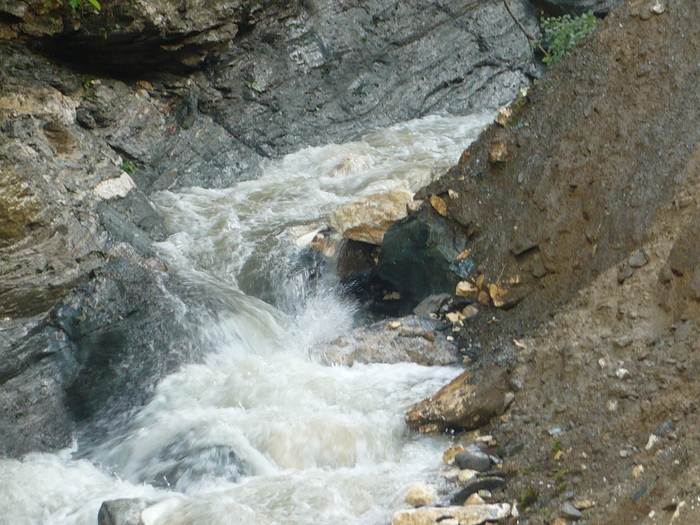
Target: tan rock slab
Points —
{"points": [[471, 515]]}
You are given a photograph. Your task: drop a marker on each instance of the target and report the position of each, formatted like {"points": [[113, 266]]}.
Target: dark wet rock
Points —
{"points": [[418, 253], [473, 460], [123, 511], [183, 464], [489, 483]]}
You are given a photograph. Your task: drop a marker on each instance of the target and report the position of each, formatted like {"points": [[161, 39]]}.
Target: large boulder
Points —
{"points": [[462, 404], [419, 253]]}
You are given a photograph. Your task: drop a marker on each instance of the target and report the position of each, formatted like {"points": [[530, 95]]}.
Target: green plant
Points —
{"points": [[77, 3], [254, 86], [562, 33], [555, 447], [128, 167], [527, 497]]}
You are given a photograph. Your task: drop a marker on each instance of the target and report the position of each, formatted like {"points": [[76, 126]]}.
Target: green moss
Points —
{"points": [[527, 497]]}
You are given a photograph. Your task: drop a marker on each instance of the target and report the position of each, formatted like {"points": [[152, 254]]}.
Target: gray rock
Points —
{"points": [[414, 339], [638, 259], [473, 460], [124, 511], [663, 429], [431, 304], [570, 512]]}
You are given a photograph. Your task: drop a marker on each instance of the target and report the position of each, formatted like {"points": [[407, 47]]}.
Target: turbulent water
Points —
{"points": [[261, 432]]}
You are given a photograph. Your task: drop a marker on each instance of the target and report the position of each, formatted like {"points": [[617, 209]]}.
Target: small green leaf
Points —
{"points": [[95, 4]]}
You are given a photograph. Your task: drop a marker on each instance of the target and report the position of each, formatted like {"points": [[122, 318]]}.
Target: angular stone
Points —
{"points": [[638, 259], [471, 515], [570, 512], [461, 405], [367, 219]]}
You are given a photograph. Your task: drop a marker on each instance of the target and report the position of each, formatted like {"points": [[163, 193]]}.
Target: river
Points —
{"points": [[261, 431]]}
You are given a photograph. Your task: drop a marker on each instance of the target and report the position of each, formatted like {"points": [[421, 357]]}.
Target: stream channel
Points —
{"points": [[262, 432]]}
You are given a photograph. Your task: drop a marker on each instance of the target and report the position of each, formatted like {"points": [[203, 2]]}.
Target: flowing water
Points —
{"points": [[261, 431]]}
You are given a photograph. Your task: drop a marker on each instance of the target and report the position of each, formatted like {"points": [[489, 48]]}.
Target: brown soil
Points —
{"points": [[602, 162]]}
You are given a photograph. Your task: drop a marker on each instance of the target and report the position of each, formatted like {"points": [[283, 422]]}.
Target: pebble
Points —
{"points": [[637, 471], [584, 504], [622, 373], [454, 515], [653, 440], [570, 512], [638, 259], [474, 460], [451, 474], [622, 342]]}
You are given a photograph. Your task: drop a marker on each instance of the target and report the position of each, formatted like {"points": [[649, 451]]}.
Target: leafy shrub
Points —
{"points": [[562, 33]]}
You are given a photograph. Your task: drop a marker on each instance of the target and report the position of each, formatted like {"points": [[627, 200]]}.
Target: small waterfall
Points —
{"points": [[261, 431]]}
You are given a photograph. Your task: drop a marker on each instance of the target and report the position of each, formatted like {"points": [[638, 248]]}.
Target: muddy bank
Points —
{"points": [[582, 209]]}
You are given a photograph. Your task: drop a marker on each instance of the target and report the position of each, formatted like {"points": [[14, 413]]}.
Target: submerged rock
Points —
{"points": [[125, 511], [412, 339]]}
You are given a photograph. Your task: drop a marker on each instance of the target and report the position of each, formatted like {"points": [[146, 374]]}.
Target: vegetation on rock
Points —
{"points": [[562, 33]]}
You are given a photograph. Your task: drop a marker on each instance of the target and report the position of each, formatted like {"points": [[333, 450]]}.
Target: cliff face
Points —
{"points": [[98, 109]]}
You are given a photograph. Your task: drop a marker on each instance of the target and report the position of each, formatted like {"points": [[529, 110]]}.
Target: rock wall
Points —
{"points": [[99, 109]]}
